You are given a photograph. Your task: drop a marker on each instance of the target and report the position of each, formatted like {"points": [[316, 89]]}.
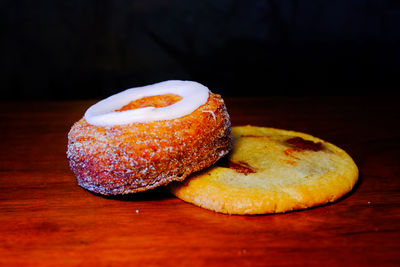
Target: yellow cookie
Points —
{"points": [[271, 171]]}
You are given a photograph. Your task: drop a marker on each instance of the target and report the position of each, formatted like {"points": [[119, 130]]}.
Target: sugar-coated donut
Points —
{"points": [[148, 136]]}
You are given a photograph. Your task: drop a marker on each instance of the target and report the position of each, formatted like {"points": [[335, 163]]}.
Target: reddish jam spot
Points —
{"points": [[289, 152], [300, 143], [241, 167]]}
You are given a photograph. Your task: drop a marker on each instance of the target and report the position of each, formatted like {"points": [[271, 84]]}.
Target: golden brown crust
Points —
{"points": [[140, 156], [271, 171]]}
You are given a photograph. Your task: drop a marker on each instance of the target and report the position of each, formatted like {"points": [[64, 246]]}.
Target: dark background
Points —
{"points": [[81, 49]]}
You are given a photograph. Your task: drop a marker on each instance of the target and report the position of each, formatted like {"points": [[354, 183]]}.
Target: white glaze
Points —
{"points": [[104, 112]]}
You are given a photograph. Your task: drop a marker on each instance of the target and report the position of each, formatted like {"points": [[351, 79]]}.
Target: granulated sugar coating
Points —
{"points": [[136, 157]]}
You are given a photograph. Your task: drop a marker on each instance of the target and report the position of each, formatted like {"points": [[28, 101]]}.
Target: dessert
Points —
{"points": [[271, 171], [148, 136]]}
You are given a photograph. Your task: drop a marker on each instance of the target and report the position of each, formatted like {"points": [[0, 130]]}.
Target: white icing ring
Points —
{"points": [[104, 112]]}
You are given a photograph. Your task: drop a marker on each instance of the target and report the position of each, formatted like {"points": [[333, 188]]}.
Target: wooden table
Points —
{"points": [[47, 219]]}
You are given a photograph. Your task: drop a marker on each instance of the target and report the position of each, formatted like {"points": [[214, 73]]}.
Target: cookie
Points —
{"points": [[271, 171]]}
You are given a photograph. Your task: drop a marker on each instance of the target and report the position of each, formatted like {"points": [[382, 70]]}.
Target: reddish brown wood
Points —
{"points": [[47, 219]]}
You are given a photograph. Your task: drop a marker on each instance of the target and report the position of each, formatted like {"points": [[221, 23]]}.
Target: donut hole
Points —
{"points": [[157, 101]]}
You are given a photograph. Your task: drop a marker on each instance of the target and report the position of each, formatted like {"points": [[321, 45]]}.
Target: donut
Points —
{"points": [[148, 136]]}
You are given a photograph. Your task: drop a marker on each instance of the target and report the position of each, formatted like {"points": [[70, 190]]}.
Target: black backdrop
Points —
{"points": [[79, 49]]}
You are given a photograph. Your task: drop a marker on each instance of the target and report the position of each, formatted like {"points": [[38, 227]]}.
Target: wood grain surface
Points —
{"points": [[46, 219]]}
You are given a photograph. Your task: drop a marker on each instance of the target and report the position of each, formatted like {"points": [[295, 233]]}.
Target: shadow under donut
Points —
{"points": [[159, 193]]}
